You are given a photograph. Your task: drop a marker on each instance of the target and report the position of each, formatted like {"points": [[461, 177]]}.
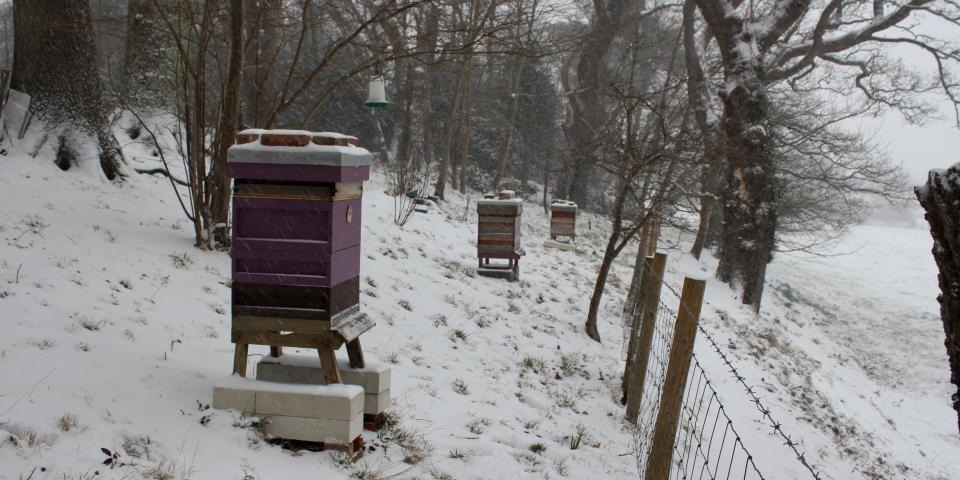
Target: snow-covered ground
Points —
{"points": [[113, 330]]}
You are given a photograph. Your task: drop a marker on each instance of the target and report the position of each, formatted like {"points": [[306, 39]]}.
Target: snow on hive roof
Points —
{"points": [[298, 151]]}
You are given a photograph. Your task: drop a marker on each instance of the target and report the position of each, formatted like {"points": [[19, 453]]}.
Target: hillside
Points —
{"points": [[115, 330]]}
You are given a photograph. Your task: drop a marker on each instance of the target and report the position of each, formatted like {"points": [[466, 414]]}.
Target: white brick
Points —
{"points": [[236, 398], [376, 403], [375, 378], [340, 432], [316, 404]]}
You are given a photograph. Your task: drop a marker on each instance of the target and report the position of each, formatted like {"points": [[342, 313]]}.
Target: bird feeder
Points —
{"points": [[376, 93]]}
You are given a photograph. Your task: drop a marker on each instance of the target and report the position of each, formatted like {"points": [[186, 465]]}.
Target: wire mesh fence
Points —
{"points": [[707, 444], [655, 376]]}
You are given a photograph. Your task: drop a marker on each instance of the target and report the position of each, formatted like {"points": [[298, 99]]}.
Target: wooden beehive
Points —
{"points": [[498, 235], [498, 229], [296, 226], [563, 220], [297, 199]]}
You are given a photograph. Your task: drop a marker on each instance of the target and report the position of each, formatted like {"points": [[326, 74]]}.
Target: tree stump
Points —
{"points": [[940, 198]]}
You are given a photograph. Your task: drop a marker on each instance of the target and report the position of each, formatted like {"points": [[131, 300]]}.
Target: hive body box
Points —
{"points": [[563, 220], [296, 225], [498, 236]]}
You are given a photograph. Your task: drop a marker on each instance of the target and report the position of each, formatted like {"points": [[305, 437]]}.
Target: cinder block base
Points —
{"points": [[305, 429], [559, 245], [331, 414], [235, 398], [504, 273], [303, 369]]}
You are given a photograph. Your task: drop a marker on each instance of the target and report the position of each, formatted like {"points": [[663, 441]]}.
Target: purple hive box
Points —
{"points": [[296, 223]]}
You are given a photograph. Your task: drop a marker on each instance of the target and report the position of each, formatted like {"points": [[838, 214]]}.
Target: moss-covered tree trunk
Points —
{"points": [[940, 198], [749, 189]]}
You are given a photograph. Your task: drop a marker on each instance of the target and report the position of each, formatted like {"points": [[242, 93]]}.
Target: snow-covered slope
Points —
{"points": [[113, 330]]}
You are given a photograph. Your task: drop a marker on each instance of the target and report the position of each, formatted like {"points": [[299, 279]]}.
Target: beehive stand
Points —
{"points": [[296, 244], [498, 236]]}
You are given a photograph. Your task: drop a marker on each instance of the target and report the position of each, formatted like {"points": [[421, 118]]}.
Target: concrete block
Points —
{"points": [[236, 398], [326, 430], [375, 378], [559, 245], [329, 402], [376, 403]]}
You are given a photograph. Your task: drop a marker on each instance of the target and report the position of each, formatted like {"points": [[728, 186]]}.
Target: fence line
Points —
{"points": [[707, 444]]}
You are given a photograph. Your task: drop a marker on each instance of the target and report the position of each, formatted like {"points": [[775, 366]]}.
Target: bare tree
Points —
{"points": [[208, 110], [644, 150], [587, 99], [761, 45]]}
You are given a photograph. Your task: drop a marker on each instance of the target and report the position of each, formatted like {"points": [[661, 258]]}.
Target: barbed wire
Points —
{"points": [[765, 412], [701, 404]]}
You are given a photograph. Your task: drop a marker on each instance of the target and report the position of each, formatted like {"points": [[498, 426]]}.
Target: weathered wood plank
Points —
{"points": [[351, 328], [299, 340], [280, 324]]}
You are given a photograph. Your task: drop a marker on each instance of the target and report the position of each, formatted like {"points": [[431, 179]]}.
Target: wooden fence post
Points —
{"points": [[633, 311], [650, 235], [675, 383], [641, 334]]}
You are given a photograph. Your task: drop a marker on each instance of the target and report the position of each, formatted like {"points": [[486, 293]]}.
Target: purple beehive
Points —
{"points": [[296, 225]]}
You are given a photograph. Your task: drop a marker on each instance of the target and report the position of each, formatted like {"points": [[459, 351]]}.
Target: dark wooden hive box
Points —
{"points": [[498, 228]]}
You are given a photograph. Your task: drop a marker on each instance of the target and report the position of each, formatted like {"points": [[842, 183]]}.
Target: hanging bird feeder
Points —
{"points": [[376, 93]]}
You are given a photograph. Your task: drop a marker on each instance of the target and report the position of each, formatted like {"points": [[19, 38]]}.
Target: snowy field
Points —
{"points": [[115, 329]]}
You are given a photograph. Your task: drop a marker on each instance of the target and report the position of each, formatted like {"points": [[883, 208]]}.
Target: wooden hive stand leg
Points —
{"points": [[240, 359], [276, 350], [355, 353], [328, 362]]}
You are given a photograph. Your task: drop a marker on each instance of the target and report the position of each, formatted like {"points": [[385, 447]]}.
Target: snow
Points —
{"points": [[111, 315], [339, 390]]}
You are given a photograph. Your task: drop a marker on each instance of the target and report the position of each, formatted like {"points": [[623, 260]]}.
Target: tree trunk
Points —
{"points": [[698, 95], [609, 255], [147, 57], [227, 129], [465, 129], [750, 192], [510, 126], [586, 103], [55, 62], [709, 195], [940, 197], [263, 25]]}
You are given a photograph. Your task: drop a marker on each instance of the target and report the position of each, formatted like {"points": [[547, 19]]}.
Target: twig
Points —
{"points": [[18, 274], [26, 393]]}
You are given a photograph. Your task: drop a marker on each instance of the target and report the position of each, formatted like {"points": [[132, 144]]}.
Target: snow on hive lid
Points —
{"points": [[297, 147], [510, 207], [563, 206]]}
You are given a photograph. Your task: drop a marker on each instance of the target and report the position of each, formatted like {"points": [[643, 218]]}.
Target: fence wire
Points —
{"points": [[707, 444], [654, 379]]}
